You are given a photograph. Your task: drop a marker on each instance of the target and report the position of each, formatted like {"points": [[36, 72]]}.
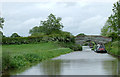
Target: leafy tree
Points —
{"points": [[37, 31], [112, 25], [116, 16], [106, 28], [113, 35], [14, 35], [3, 36], [1, 22], [50, 26], [81, 34], [1, 26]]}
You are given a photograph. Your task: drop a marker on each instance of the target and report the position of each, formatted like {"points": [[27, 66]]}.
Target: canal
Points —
{"points": [[85, 62]]}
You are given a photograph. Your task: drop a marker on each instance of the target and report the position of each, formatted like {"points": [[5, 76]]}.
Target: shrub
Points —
{"points": [[76, 47], [116, 43], [73, 46], [85, 44], [113, 48]]}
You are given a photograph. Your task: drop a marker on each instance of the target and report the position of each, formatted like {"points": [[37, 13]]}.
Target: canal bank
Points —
{"points": [[21, 57], [113, 48]]}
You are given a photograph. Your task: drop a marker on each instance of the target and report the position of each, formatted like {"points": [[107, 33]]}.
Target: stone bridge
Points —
{"points": [[98, 39]]}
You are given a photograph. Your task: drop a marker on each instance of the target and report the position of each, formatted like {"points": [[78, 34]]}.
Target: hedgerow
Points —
{"points": [[34, 39]]}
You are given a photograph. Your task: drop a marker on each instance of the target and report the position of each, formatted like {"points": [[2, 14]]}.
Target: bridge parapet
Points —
{"points": [[97, 39]]}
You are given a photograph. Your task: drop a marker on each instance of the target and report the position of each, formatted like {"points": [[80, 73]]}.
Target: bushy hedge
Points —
{"points": [[73, 46], [21, 40], [33, 39], [85, 44], [113, 48]]}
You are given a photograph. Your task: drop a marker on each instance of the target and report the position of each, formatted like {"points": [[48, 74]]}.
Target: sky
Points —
{"points": [[82, 16]]}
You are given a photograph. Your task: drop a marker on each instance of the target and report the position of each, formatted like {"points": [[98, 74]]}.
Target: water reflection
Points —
{"points": [[111, 67], [79, 67], [51, 67], [119, 68]]}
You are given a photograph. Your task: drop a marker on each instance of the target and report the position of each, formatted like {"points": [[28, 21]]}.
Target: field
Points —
{"points": [[24, 55]]}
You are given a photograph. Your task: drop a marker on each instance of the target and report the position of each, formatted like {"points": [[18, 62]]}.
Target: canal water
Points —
{"points": [[85, 62]]}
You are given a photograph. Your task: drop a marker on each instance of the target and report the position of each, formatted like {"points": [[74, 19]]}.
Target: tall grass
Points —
{"points": [[20, 56], [113, 48]]}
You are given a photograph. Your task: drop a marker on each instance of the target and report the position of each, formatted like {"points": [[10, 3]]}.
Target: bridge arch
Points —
{"points": [[95, 38]]}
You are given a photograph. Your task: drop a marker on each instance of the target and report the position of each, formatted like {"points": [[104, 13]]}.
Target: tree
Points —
{"points": [[3, 36], [37, 31], [112, 25], [81, 34], [1, 25], [14, 35], [115, 18], [50, 26], [106, 30], [1, 22]]}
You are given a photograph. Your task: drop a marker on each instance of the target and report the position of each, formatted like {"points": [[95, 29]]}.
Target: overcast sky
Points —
{"points": [[85, 16]]}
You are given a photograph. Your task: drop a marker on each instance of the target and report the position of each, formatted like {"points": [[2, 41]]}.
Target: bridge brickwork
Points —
{"points": [[98, 39]]}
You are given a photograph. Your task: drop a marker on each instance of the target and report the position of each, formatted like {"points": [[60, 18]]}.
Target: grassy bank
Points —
{"points": [[113, 48], [24, 55]]}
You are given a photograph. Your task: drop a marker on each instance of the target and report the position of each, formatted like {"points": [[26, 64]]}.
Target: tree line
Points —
{"points": [[48, 30], [51, 26]]}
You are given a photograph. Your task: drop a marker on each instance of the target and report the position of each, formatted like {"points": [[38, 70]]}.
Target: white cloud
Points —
{"points": [[21, 28], [57, 0], [77, 17], [97, 0], [92, 25], [89, 26], [0, 9], [45, 5]]}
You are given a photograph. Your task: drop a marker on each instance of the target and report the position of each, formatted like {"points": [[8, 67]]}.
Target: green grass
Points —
{"points": [[21, 56], [114, 48]]}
